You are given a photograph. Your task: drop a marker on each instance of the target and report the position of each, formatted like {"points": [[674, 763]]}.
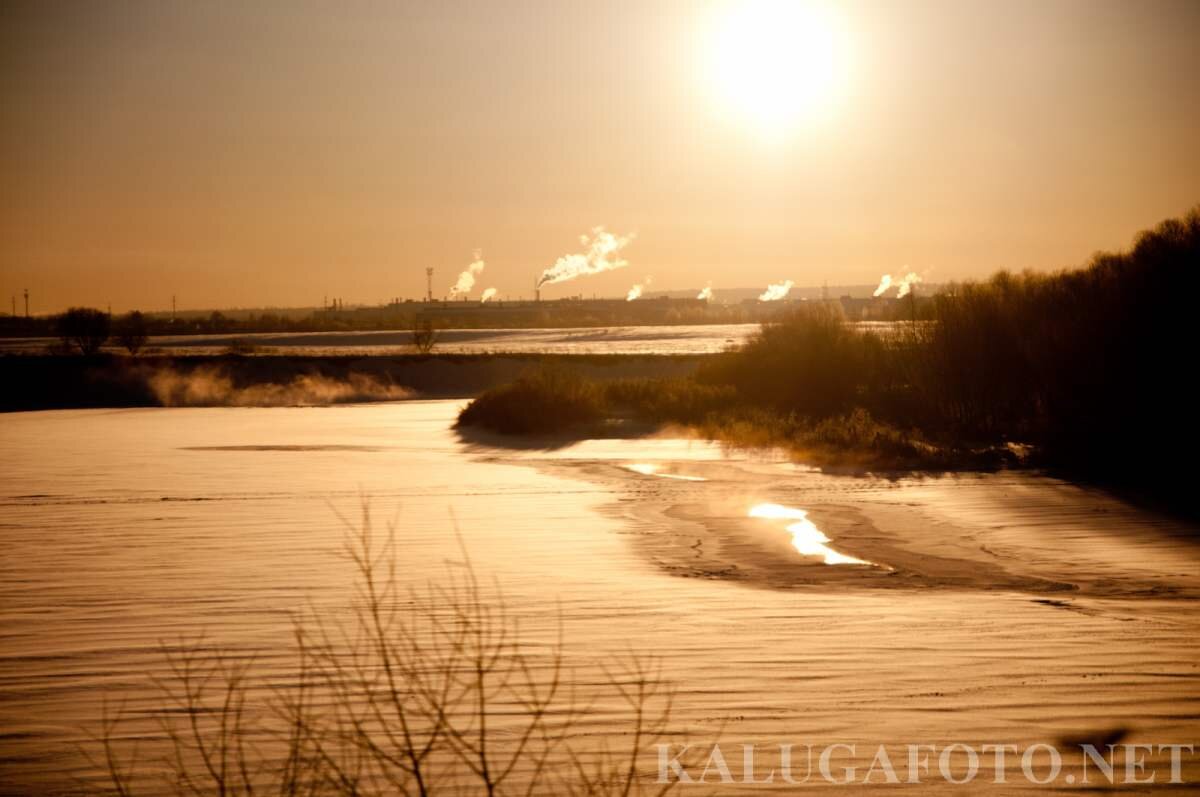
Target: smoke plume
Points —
{"points": [[906, 283], [602, 250], [636, 291], [466, 280], [490, 293], [706, 294], [776, 291]]}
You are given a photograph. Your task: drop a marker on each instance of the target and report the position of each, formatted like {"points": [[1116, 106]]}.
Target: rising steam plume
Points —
{"points": [[776, 291], [904, 284], [209, 386], [466, 280], [602, 250], [636, 291], [706, 294], [488, 294], [910, 279]]}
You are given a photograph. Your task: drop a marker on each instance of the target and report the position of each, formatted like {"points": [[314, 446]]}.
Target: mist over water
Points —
{"points": [[210, 386]]}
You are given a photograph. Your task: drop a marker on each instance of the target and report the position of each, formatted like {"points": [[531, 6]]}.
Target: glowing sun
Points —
{"points": [[774, 62]]}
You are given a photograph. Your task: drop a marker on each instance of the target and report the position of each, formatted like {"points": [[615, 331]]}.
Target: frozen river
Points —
{"points": [[974, 609]]}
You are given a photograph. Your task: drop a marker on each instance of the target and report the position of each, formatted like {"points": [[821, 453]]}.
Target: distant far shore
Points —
{"points": [[675, 339]]}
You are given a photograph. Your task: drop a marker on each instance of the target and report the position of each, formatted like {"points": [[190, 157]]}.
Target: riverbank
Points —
{"points": [[555, 402], [552, 407]]}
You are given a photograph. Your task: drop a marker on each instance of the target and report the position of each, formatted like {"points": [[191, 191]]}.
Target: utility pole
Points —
{"points": [[26, 303], [172, 308], [429, 284]]}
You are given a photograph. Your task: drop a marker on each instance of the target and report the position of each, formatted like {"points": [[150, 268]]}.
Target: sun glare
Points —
{"points": [[775, 63]]}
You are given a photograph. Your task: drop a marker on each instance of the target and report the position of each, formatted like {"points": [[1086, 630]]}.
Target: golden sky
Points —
{"points": [[272, 153]]}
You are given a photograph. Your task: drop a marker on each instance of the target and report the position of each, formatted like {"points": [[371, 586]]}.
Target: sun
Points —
{"points": [[775, 63]]}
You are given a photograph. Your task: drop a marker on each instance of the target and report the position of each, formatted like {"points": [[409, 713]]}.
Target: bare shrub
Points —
{"points": [[423, 691], [424, 334], [132, 332]]}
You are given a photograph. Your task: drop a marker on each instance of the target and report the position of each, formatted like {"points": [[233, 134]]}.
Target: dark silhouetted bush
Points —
{"points": [[547, 400], [809, 361], [674, 400]]}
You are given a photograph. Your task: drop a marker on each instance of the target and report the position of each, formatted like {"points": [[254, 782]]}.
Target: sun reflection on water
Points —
{"points": [[806, 538]]}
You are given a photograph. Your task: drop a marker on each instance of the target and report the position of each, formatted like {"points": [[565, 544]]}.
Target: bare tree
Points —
{"points": [[132, 332], [424, 334], [85, 328]]}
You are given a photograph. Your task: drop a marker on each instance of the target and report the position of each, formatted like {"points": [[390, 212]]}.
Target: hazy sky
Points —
{"points": [[272, 153]]}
